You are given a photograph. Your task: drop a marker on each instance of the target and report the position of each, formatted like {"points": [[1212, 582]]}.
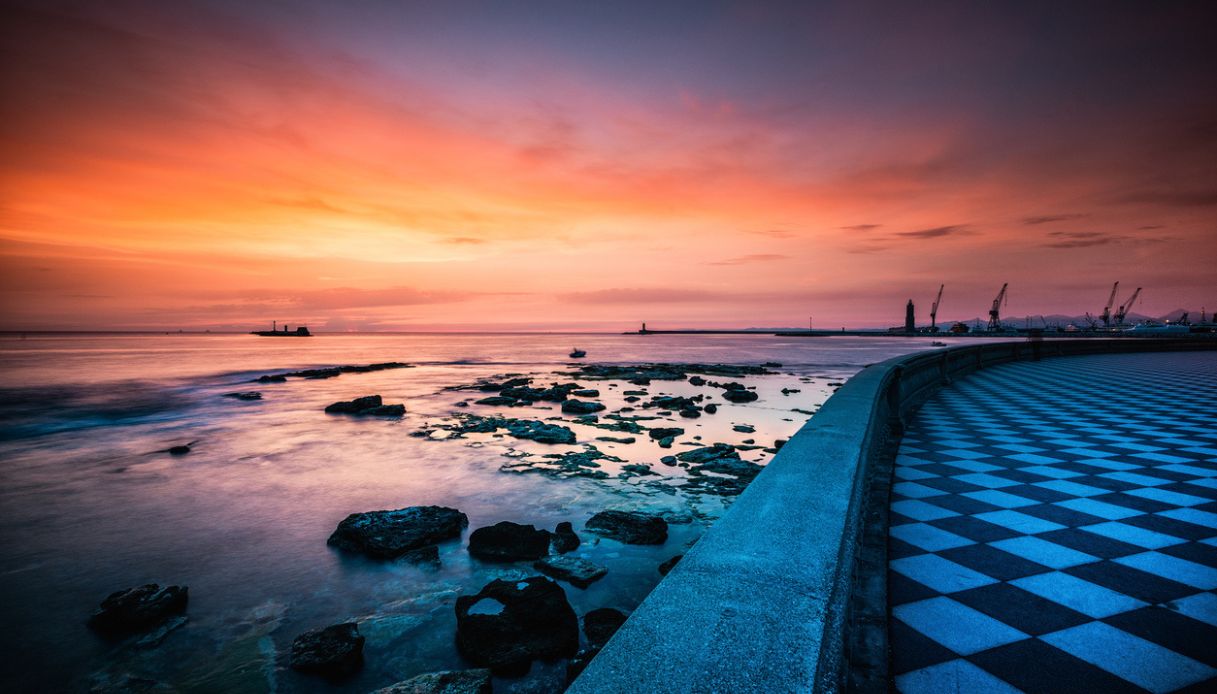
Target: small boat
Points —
{"points": [[577, 353], [936, 343]]}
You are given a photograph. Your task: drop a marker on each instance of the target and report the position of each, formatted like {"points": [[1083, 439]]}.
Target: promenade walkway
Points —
{"points": [[1054, 528]]}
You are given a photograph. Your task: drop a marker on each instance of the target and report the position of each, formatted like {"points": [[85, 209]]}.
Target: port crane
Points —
{"points": [[934, 310], [1126, 307], [1106, 317], [995, 312]]}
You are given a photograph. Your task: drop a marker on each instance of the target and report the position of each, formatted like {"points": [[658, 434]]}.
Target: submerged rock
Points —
{"points": [[586, 393], [564, 538], [507, 541], [179, 450], [529, 429], [601, 624], [581, 407], [563, 465], [669, 564], [578, 572], [641, 469], [392, 534], [448, 682], [497, 400], [661, 433], [246, 395], [630, 527], [508, 624], [138, 609], [333, 651]]}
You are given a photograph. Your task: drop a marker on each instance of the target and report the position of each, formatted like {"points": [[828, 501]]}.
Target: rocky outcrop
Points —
{"points": [[578, 572], [138, 609], [529, 429], [660, 433], [738, 396], [581, 407], [508, 624], [392, 534], [507, 541], [447, 682], [331, 372], [334, 651], [369, 405], [600, 625], [630, 527], [564, 538]]}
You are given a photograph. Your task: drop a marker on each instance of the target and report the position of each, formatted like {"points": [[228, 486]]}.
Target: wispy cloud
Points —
{"points": [[1049, 218], [1081, 239], [749, 259], [775, 233], [937, 232], [642, 295], [464, 240], [861, 227]]}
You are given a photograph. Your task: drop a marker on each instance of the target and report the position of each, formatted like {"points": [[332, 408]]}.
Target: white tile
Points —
{"points": [[1099, 508], [1191, 470], [1020, 522], [1139, 661], [952, 676], [1042, 551], [920, 510], [1083, 596], [1179, 570], [1088, 452], [1193, 516], [1072, 488], [1201, 607], [1133, 535], [942, 575], [928, 537], [912, 473], [1002, 499], [1168, 497], [956, 626], [1109, 464], [1128, 445]]}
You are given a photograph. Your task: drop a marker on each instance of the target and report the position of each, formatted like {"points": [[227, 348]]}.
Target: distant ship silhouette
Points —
{"points": [[300, 331]]}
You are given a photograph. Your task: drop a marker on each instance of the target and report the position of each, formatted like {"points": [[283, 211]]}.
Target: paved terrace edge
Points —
{"points": [[761, 602]]}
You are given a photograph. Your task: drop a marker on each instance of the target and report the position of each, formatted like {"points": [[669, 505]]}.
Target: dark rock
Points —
{"points": [[640, 381], [788, 391], [601, 624], [576, 665], [711, 408], [777, 445], [333, 651], [690, 413], [632, 398], [581, 407], [740, 396], [497, 400], [669, 460], [564, 538], [579, 572], [665, 432], [666, 442], [634, 392], [447, 682], [744, 428], [179, 450], [508, 624], [697, 381], [246, 395], [617, 439], [391, 534], [462, 403], [138, 609], [771, 365], [706, 454], [355, 406], [630, 527], [385, 411], [272, 379], [529, 429], [667, 566], [507, 541], [586, 393], [641, 469]]}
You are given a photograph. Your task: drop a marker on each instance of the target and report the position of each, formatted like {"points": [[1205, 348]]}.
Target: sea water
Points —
{"points": [[91, 502]]}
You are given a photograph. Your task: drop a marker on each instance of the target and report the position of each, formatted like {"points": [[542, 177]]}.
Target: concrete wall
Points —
{"points": [[760, 603]]}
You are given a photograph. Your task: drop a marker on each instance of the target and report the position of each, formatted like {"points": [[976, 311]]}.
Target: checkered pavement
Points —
{"points": [[1054, 528]]}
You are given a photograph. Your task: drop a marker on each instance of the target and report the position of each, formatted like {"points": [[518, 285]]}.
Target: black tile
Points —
{"points": [[1094, 480], [961, 504], [1206, 687], [1132, 582], [912, 650], [950, 484], [898, 549], [1170, 526], [1168, 628], [993, 562], [1035, 666], [974, 528], [1038, 493], [1136, 503], [1059, 514], [902, 589], [1020, 476], [1194, 552], [894, 518], [942, 470], [1024, 611], [1193, 489], [1091, 543]]}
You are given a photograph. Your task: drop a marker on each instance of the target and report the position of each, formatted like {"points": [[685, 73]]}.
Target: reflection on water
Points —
{"points": [[90, 501]]}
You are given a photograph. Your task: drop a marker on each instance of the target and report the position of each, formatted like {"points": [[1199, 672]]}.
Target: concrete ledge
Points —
{"points": [[760, 603]]}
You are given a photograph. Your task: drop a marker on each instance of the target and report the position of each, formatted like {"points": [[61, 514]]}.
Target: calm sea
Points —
{"points": [[90, 502]]}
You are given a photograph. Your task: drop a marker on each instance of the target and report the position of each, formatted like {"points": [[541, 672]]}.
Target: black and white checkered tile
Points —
{"points": [[1054, 528]]}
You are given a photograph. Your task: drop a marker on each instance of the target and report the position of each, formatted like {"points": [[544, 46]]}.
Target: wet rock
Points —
{"points": [[777, 445], [578, 572], [669, 564], [690, 413], [739, 396], [497, 401], [564, 538], [666, 442], [630, 527], [744, 428], [788, 391], [710, 409], [448, 682], [632, 398], [667, 372], [706, 454], [507, 541], [697, 381], [601, 624], [674, 402], [138, 609], [581, 407], [665, 432], [391, 534], [576, 665], [272, 379], [563, 465], [669, 460], [332, 371], [398, 410], [634, 393], [245, 395], [508, 624], [179, 450], [586, 393], [333, 651], [640, 469], [529, 429], [362, 405], [771, 365], [617, 439]]}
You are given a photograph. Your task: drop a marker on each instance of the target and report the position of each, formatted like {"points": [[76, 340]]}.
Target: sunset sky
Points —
{"points": [[588, 165]]}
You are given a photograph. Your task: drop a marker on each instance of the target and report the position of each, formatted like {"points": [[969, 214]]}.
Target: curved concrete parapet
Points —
{"points": [[760, 603]]}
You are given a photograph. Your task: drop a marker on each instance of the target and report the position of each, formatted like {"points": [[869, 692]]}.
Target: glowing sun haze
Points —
{"points": [[399, 165]]}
